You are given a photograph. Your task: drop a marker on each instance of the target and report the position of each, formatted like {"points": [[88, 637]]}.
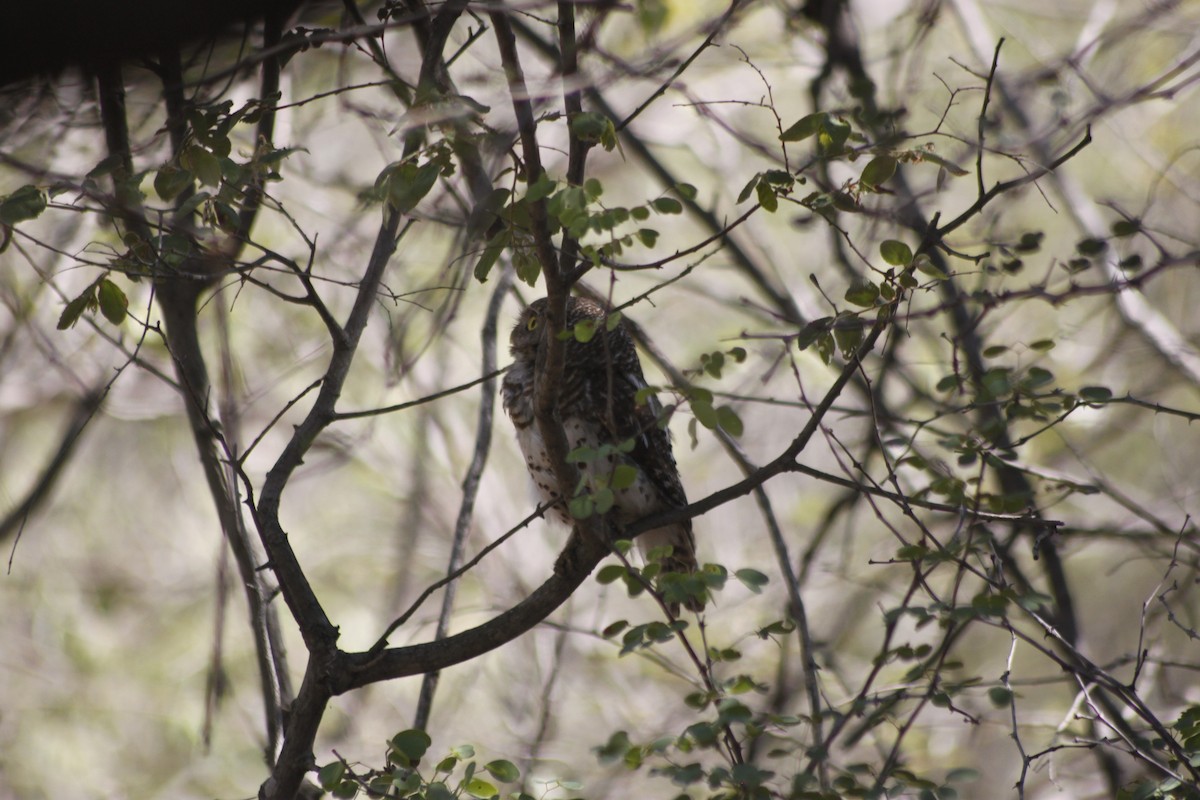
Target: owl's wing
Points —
{"points": [[651, 442]]}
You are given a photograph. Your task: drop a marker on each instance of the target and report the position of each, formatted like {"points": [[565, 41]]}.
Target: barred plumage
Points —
{"points": [[597, 404]]}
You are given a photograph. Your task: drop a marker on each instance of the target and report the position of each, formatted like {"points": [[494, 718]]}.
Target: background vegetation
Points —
{"points": [[917, 278]]}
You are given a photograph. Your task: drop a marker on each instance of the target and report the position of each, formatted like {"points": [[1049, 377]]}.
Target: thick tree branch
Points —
{"points": [[576, 562], [551, 358], [177, 293]]}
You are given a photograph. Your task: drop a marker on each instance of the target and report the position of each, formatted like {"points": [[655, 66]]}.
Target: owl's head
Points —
{"points": [[530, 330]]}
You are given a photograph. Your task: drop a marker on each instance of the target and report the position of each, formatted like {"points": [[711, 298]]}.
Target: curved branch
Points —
{"points": [[575, 563]]}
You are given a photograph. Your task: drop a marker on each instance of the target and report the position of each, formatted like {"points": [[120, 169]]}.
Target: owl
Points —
{"points": [[598, 405]]}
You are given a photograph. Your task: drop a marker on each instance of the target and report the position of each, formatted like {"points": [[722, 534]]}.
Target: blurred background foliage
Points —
{"points": [[127, 668]]}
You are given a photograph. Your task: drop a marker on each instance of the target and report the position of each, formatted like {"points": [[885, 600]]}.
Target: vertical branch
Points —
{"points": [[320, 636], [780, 298], [549, 368], [982, 128], [577, 149], [483, 443], [177, 295], [265, 133]]}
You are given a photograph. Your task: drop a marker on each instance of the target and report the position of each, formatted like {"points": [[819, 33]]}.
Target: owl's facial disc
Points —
{"points": [[527, 333]]}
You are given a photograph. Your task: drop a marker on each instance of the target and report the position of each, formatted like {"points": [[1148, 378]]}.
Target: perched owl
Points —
{"points": [[597, 404]]}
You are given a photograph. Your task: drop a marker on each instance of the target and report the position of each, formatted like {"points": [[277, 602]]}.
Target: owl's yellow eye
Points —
{"points": [[533, 323]]}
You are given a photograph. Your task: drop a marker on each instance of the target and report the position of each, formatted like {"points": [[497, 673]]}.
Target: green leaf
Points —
{"points": [[526, 265], [848, 333], [581, 455], [825, 347], [779, 177], [1095, 394], [863, 295], [713, 363], [896, 253], [581, 507], [643, 395], [503, 771], [331, 774], [202, 163], [748, 189], [1091, 247], [1126, 227], [272, 157], [193, 203], [615, 748], [962, 775], [1042, 345], [345, 790], [1030, 242], [752, 579], [834, 134], [667, 205], [924, 265], [113, 302], [615, 628], [593, 189], [813, 331], [1037, 376], [685, 190], [542, 188], [604, 499], [491, 253], [766, 197], [408, 184], [729, 421], [106, 166], [1131, 263], [610, 573], [647, 236], [949, 166], [705, 413], [1000, 696], [412, 744], [731, 710], [777, 628], [171, 180], [879, 170], [804, 127], [25, 203], [912, 552], [995, 383], [478, 787], [584, 330], [623, 476], [590, 127], [74, 310]]}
